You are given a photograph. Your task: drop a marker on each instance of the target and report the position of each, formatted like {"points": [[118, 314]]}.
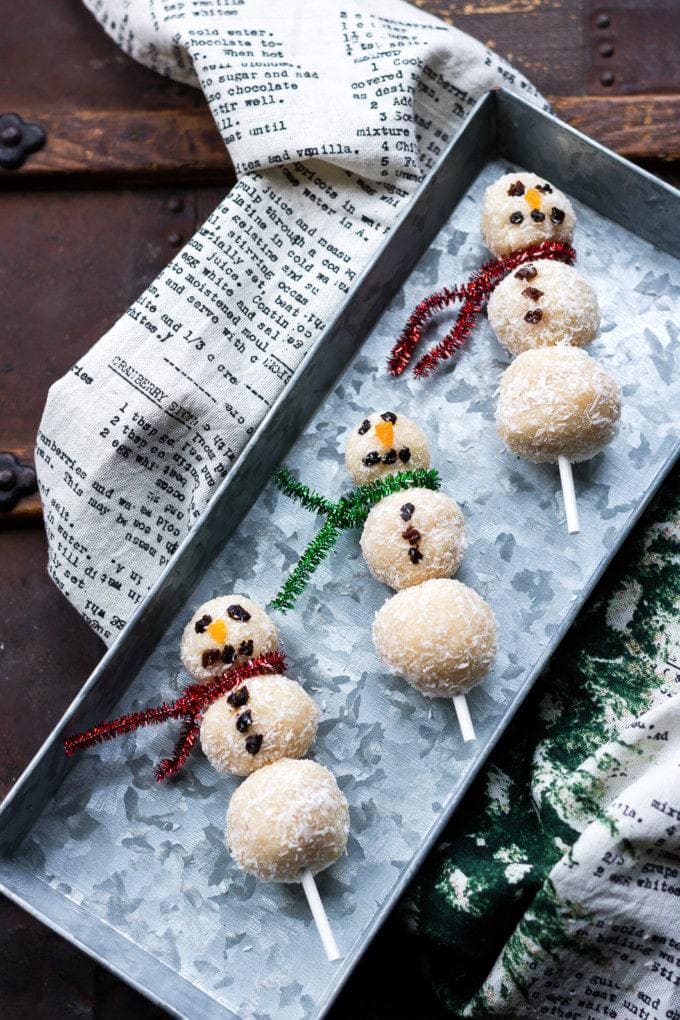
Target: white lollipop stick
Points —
{"points": [[464, 720], [567, 480], [320, 917]]}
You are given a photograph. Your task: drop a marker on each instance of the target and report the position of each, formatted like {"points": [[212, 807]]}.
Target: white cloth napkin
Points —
{"points": [[333, 114]]}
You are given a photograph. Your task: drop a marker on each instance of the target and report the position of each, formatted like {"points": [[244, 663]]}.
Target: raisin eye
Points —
{"points": [[516, 217], [527, 272], [238, 613], [516, 189], [371, 458], [556, 215], [201, 625], [364, 427], [537, 216], [389, 416], [545, 188], [534, 315]]}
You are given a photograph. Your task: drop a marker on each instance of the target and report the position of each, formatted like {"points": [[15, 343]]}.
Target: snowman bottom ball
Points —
{"points": [[413, 536], [557, 401], [440, 636], [267, 718], [286, 818]]}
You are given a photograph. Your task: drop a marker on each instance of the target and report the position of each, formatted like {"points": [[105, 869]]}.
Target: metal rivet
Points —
{"points": [[11, 135], [175, 240], [175, 205], [606, 50], [8, 479], [603, 21], [18, 139], [606, 78]]}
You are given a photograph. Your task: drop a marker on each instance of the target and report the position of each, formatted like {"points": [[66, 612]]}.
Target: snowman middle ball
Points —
{"points": [[265, 719], [413, 536], [543, 304]]}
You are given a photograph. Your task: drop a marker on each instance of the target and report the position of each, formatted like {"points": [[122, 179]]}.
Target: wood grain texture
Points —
{"points": [[129, 146], [138, 147]]}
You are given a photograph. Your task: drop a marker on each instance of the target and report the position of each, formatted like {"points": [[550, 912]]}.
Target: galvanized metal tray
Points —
{"points": [[137, 874]]}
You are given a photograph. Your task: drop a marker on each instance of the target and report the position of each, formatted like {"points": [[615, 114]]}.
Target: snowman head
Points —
{"points": [[383, 443], [226, 631], [523, 209]]}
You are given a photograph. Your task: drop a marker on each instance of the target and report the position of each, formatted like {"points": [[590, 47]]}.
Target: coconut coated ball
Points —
{"points": [[524, 209], [224, 632], [439, 635], [285, 818], [412, 536], [264, 719], [384, 443], [543, 304], [557, 401]]}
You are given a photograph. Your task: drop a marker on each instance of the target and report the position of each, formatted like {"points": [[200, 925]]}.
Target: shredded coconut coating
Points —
{"points": [[501, 236], [557, 401], [569, 310], [282, 713], [440, 636], [406, 436], [285, 818], [259, 629], [442, 542]]}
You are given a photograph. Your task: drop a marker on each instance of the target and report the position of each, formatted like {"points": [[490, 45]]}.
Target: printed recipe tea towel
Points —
{"points": [[333, 114]]}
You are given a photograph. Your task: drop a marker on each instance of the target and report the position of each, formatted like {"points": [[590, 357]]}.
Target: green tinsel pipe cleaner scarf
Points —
{"points": [[350, 511]]}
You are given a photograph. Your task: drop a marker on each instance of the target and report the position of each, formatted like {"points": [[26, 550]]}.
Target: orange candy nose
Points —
{"points": [[384, 430], [218, 631], [533, 198]]}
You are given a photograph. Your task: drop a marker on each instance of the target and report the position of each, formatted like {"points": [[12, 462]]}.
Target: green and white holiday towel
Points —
{"points": [[556, 890]]}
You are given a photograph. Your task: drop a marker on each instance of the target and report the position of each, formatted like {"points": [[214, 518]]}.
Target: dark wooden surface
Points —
{"points": [[133, 165]]}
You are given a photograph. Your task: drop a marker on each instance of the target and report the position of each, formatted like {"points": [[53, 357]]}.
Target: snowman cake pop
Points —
{"points": [[523, 209], [410, 537], [223, 632], [268, 718], [384, 443], [543, 304]]}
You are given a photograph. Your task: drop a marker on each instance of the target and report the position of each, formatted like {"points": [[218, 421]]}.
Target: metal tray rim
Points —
{"points": [[485, 106]]}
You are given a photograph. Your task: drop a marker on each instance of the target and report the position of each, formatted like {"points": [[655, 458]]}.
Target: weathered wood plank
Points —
{"points": [[180, 145], [638, 127], [149, 145]]}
